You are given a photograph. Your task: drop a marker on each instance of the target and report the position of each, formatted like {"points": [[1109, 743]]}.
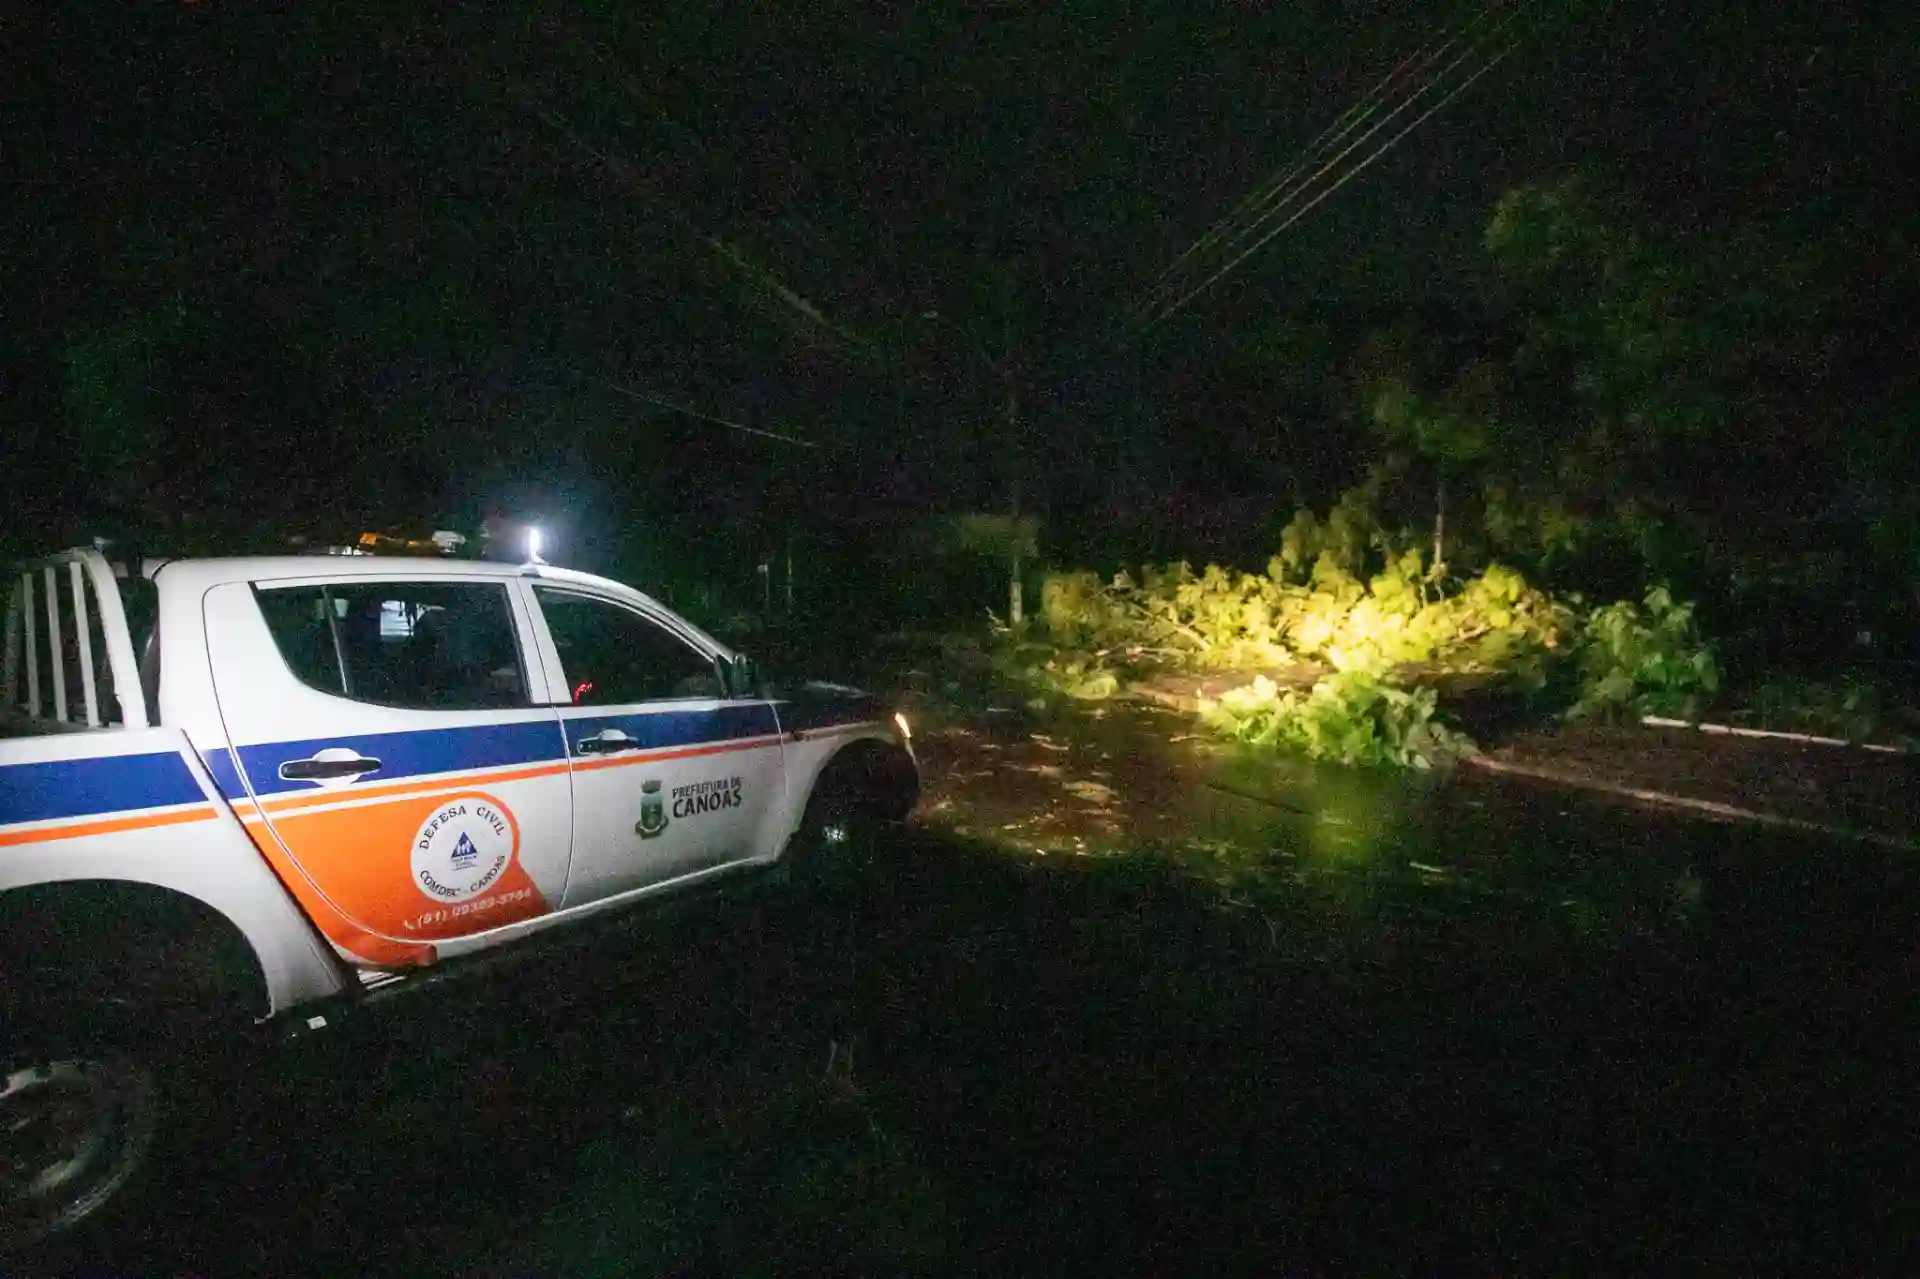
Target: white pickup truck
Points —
{"points": [[292, 781]]}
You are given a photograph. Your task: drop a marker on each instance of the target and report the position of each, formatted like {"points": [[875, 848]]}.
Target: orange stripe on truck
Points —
{"points": [[652, 757], [371, 907], [109, 826], [313, 799], [369, 947]]}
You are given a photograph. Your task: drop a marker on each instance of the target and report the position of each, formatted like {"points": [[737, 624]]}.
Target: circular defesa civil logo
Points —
{"points": [[464, 848]]}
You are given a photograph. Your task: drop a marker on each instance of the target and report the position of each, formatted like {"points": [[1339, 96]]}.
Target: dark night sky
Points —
{"points": [[394, 286]]}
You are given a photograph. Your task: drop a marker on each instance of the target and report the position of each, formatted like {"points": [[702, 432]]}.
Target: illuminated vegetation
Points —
{"points": [[1378, 622], [1353, 716]]}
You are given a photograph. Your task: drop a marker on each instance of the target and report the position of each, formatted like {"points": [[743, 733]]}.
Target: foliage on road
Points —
{"points": [[1352, 716], [1341, 590], [1347, 593]]}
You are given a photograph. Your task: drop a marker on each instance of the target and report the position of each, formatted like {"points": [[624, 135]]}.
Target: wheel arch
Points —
{"points": [[86, 924], [874, 769]]}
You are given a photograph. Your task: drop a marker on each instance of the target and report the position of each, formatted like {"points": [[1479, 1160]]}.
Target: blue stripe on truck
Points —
{"points": [[226, 777], [101, 784], [808, 713], [410, 754], [657, 729], [423, 752]]}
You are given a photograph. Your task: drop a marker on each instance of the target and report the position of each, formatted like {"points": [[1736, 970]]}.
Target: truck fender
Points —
{"points": [[817, 762], [68, 947], [191, 844]]}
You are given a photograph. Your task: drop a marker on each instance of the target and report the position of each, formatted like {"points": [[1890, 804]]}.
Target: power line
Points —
{"points": [[670, 406], [1301, 188], [759, 276], [1333, 134], [619, 166], [1345, 178], [1272, 204], [1340, 182]]}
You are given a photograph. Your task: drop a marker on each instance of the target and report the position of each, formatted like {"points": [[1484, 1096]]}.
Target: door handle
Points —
{"points": [[605, 742], [321, 769]]}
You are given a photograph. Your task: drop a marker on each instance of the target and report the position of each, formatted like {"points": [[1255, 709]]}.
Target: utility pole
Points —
{"points": [[1016, 595], [1010, 454]]}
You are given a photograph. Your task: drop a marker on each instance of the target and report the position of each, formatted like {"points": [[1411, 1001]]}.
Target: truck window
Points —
{"points": [[613, 655], [417, 645]]}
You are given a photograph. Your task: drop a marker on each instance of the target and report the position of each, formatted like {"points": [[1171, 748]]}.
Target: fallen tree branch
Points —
{"points": [[1157, 620]]}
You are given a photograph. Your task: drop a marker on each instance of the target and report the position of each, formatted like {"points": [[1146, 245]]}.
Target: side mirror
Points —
{"points": [[743, 678]]}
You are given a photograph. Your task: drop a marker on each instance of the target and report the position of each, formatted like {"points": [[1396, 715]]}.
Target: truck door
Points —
{"points": [[394, 763], [671, 774]]}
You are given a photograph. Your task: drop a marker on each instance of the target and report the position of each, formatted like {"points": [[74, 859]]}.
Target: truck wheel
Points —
{"points": [[106, 1038], [74, 1133], [864, 790]]}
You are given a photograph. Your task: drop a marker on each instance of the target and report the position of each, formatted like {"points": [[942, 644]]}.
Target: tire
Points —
{"points": [[99, 1045], [76, 1134], [863, 792]]}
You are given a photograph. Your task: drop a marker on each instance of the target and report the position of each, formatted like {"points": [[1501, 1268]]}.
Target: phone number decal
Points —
{"points": [[448, 914]]}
